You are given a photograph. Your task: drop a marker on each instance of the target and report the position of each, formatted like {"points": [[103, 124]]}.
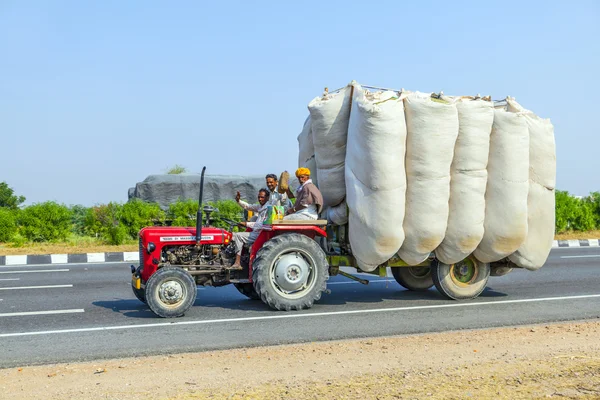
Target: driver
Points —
{"points": [[247, 238]]}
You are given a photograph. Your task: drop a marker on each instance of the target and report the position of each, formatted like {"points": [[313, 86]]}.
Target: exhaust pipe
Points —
{"points": [[199, 213]]}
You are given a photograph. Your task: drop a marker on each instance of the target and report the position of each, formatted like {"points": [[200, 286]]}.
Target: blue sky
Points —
{"points": [[95, 96]]}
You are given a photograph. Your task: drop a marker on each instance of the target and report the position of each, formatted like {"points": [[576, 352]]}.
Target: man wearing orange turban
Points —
{"points": [[309, 200]]}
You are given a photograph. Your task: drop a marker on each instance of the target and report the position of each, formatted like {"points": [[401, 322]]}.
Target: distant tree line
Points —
{"points": [[112, 223]]}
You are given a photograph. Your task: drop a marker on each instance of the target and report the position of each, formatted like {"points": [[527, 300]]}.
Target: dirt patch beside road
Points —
{"points": [[541, 361]]}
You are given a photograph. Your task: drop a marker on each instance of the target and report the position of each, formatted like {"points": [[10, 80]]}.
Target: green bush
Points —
{"points": [[45, 222], [227, 209], [8, 225], [176, 170], [573, 214], [594, 200], [105, 221], [137, 214], [78, 218], [183, 212]]}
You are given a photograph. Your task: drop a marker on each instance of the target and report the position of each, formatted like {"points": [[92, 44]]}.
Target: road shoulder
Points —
{"points": [[561, 360]]}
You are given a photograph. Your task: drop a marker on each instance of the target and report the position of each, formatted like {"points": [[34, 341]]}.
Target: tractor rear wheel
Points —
{"points": [[170, 292], [413, 278], [464, 280], [290, 272], [247, 289]]}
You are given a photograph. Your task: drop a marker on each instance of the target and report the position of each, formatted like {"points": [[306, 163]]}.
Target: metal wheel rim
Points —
{"points": [[172, 293], [465, 272], [310, 281]]}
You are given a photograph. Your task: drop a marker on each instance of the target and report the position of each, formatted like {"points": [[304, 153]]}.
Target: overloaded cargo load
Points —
{"points": [[432, 128], [375, 177], [329, 116], [420, 173]]}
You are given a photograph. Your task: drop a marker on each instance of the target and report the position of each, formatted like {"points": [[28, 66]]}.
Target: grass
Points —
{"points": [[83, 244], [578, 235]]}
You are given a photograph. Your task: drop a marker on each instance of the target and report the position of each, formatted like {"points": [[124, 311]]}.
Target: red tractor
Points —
{"points": [[287, 267]]}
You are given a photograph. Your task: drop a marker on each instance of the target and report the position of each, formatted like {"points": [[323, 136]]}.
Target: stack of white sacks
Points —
{"points": [[416, 173]]}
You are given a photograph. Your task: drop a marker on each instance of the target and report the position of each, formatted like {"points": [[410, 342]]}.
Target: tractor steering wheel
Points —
{"points": [[231, 222]]}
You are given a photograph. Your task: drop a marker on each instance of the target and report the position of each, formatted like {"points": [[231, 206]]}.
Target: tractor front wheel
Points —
{"points": [[290, 272], [170, 292], [140, 294]]}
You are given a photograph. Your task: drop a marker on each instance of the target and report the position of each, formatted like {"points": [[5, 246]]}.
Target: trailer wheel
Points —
{"points": [[463, 280], [140, 294], [290, 272], [413, 278], [247, 289], [170, 292]]}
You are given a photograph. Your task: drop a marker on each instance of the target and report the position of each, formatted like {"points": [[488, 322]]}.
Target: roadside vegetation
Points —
{"points": [[53, 228]]}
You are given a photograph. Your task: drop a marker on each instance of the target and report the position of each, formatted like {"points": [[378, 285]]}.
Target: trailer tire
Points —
{"points": [[290, 272], [461, 281], [247, 289], [170, 292], [417, 279]]}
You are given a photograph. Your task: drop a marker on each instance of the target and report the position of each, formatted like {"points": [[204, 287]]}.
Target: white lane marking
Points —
{"points": [[307, 315], [59, 258], [96, 257], [20, 314], [35, 271], [587, 256], [10, 279], [36, 287], [348, 283], [15, 260]]}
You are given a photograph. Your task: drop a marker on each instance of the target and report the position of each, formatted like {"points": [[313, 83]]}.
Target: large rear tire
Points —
{"points": [[170, 292], [290, 272], [417, 279], [247, 289], [461, 281]]}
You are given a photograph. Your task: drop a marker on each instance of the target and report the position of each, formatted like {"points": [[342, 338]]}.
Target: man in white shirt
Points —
{"points": [[276, 198], [247, 238]]}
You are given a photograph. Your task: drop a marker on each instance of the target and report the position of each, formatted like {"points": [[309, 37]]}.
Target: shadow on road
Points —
{"points": [[132, 308], [228, 298]]}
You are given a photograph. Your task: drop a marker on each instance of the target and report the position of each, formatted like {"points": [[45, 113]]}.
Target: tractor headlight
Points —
{"points": [[151, 247]]}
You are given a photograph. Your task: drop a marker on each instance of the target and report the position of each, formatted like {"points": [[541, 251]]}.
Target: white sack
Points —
{"points": [[468, 180], [337, 214], [329, 119], [540, 201], [432, 128], [306, 154], [507, 187], [375, 176]]}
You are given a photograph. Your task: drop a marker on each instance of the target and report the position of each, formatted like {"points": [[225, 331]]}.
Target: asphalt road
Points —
{"points": [[68, 313]]}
